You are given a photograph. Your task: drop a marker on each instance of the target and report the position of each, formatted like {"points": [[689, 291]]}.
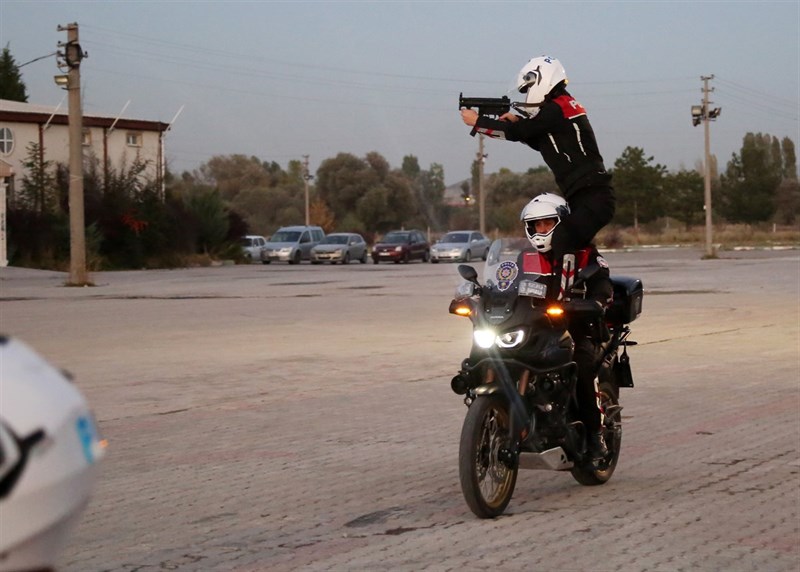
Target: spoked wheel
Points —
{"points": [[596, 473], [486, 482]]}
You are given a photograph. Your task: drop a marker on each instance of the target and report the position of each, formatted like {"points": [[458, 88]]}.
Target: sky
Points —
{"points": [[280, 80]]}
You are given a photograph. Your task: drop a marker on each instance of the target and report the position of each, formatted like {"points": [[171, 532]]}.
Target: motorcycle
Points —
{"points": [[519, 379]]}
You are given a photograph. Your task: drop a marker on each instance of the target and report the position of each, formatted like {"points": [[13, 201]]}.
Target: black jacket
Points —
{"points": [[561, 132]]}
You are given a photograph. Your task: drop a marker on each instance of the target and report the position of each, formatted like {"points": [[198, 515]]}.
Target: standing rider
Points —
{"points": [[541, 217], [557, 126]]}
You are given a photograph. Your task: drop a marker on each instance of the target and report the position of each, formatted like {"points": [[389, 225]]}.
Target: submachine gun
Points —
{"points": [[493, 106]]}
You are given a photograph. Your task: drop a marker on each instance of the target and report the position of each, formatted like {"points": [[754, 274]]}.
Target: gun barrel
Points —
{"points": [[485, 105]]}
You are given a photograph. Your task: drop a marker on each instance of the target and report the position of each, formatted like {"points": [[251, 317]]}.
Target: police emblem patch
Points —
{"points": [[506, 273]]}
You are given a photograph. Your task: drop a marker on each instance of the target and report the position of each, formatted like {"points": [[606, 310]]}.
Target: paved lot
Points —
{"points": [[300, 418]]}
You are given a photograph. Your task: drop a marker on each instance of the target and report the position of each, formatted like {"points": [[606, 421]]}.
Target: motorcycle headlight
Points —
{"points": [[484, 338], [511, 339]]}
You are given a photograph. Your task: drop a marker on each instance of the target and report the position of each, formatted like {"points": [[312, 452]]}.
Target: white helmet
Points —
{"points": [[544, 206], [536, 79], [49, 445]]}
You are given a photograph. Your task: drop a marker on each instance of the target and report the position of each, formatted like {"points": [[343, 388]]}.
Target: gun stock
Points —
{"points": [[494, 106]]}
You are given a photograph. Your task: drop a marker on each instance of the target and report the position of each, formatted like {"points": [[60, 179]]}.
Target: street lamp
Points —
{"points": [[62, 81]]}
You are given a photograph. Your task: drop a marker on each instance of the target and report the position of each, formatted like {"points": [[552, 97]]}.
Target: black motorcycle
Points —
{"points": [[519, 379]]}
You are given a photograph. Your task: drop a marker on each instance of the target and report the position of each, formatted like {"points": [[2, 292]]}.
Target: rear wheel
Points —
{"points": [[486, 482], [592, 473]]}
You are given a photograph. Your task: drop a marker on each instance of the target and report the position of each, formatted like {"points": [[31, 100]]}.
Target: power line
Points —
{"points": [[37, 59]]}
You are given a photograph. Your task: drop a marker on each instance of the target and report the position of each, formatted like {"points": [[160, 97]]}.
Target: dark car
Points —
{"points": [[402, 246]]}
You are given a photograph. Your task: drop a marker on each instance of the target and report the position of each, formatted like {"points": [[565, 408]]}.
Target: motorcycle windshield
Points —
{"points": [[511, 261]]}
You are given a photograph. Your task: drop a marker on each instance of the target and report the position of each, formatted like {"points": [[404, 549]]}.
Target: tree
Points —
{"points": [[11, 85], [638, 184], [39, 192], [211, 220], [365, 194], [749, 185], [684, 196], [789, 156], [787, 195], [231, 174]]}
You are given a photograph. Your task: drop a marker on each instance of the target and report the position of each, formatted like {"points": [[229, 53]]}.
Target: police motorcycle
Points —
{"points": [[519, 380]]}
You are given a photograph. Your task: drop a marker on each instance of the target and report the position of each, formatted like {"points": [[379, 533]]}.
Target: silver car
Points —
{"points": [[291, 244], [460, 245], [252, 245], [340, 247]]}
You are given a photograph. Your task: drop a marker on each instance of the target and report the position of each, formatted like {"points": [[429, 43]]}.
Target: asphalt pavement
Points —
{"points": [[300, 418]]}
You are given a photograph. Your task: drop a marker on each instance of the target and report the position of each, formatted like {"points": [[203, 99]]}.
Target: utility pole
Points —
{"points": [[481, 158], [71, 58], [701, 113], [306, 177]]}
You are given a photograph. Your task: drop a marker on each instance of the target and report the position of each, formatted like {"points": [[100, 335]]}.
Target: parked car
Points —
{"points": [[292, 244], [461, 245], [252, 245], [340, 247], [402, 246]]}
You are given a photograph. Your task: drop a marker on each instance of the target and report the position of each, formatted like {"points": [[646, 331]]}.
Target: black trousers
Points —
{"points": [[586, 355], [591, 208]]}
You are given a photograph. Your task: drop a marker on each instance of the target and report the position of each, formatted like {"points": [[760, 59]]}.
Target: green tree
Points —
{"points": [[749, 185], [684, 196], [789, 156], [211, 219], [430, 192], [787, 195], [638, 185], [342, 180], [39, 192], [231, 174], [11, 85]]}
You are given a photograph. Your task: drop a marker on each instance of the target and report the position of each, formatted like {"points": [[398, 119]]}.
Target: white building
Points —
{"points": [[112, 141]]}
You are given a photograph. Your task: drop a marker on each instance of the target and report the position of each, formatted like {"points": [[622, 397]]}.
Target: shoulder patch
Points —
{"points": [[569, 106], [602, 262]]}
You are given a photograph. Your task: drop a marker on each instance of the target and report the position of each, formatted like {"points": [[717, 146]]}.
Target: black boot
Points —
{"points": [[596, 445]]}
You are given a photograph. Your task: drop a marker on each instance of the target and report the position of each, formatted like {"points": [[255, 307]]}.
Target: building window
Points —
{"points": [[6, 141], [134, 139], [87, 138]]}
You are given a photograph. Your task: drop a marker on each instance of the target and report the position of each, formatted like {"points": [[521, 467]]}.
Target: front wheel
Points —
{"points": [[593, 473], [486, 482]]}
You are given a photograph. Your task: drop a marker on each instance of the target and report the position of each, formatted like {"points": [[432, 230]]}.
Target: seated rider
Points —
{"points": [[541, 216]]}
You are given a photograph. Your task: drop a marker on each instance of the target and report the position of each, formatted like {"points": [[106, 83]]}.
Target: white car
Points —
{"points": [[460, 245], [252, 245]]}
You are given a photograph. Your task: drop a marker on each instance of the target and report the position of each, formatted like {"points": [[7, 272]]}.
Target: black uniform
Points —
{"points": [[561, 132], [588, 337]]}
